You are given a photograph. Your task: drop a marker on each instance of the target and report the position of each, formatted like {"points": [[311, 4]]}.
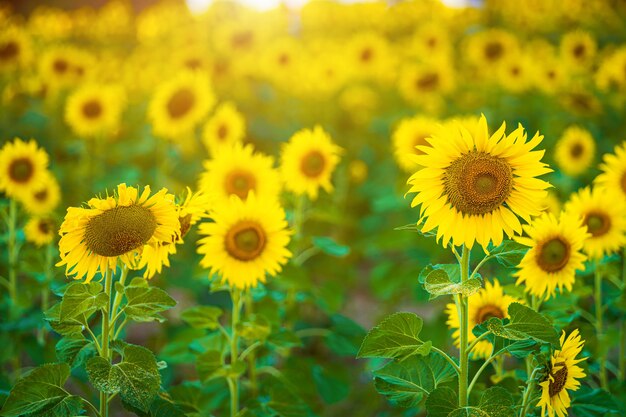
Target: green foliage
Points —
{"points": [[397, 337], [495, 402], [74, 349], [145, 302], [524, 323], [81, 300], [509, 253], [202, 317], [329, 246], [446, 279]]}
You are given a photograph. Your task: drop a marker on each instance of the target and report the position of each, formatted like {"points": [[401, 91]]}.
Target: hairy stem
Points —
{"points": [[599, 326], [233, 381], [251, 355], [106, 330], [464, 322], [12, 253]]}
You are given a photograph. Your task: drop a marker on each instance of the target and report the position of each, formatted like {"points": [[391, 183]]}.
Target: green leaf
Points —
{"points": [[284, 339], [509, 253], [257, 328], [497, 402], [208, 363], [524, 323], [41, 392], [468, 412], [69, 327], [202, 317], [441, 402], [160, 407], [74, 350], [81, 299], [330, 247], [406, 383], [136, 377], [144, 303], [412, 227], [441, 282], [330, 386], [588, 402], [346, 336], [397, 336]]}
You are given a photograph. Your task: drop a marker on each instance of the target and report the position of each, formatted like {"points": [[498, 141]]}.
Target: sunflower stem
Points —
{"points": [[12, 252], [530, 386], [118, 296], [233, 381], [106, 330], [622, 340], [463, 349], [250, 351], [599, 325], [45, 293]]}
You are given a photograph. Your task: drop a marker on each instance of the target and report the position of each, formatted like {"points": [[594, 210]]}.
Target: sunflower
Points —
{"points": [[15, 49], [563, 375], [549, 75], [555, 254], [515, 74], [180, 103], [612, 72], [42, 198], [94, 110], [552, 203], [369, 56], [488, 302], [419, 84], [93, 238], [613, 176], [602, 211], [473, 186], [409, 134], [575, 151], [64, 66], [431, 41], [40, 230], [491, 47], [225, 127], [23, 166], [577, 49], [308, 161], [246, 240], [238, 170]]}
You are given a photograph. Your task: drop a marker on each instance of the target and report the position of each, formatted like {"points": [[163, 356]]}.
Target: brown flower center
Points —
{"points": [[193, 63], [553, 255], [598, 223], [242, 40], [185, 224], [222, 131], [41, 196], [488, 311], [560, 378], [427, 82], [576, 150], [21, 170], [60, 66], [283, 59], [240, 183], [313, 164], [92, 109], [44, 226], [493, 51], [579, 51], [180, 103], [245, 241], [366, 55], [478, 183], [623, 182], [120, 230], [9, 51]]}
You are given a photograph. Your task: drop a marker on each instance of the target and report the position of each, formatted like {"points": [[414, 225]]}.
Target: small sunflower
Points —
{"points": [[577, 49], [552, 203], [23, 166], [179, 104], [602, 211], [563, 375], [93, 238], [515, 74], [246, 241], [369, 56], [408, 135], [308, 160], [64, 66], [473, 186], [225, 127], [239, 170], [40, 230], [15, 49], [418, 84], [490, 48], [575, 151], [94, 110], [43, 198], [488, 302], [613, 176], [555, 254]]}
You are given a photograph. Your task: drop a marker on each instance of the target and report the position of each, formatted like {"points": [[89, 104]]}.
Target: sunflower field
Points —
{"points": [[374, 209]]}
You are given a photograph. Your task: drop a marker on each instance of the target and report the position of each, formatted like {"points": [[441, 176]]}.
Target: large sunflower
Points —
{"points": [[489, 302], [602, 211], [180, 104], [308, 160], [225, 127], [409, 134], [42, 198], [23, 167], [575, 150], [94, 110], [473, 186], [246, 240], [554, 256], [239, 170], [40, 230], [118, 227], [613, 176], [563, 375]]}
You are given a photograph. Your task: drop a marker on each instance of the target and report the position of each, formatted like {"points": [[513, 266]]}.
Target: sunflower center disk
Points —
{"points": [[553, 255], [41, 196], [493, 51], [623, 182], [181, 102], [8, 51], [60, 66], [597, 223], [222, 132], [120, 230], [576, 150], [44, 226], [427, 82], [313, 164], [478, 183], [240, 183], [488, 311], [245, 241], [21, 170], [560, 378], [92, 109]]}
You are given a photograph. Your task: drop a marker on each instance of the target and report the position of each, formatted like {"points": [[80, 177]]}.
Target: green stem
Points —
{"points": [[599, 326], [530, 386], [480, 371], [12, 252], [233, 381], [105, 351], [464, 322], [250, 351], [622, 340], [118, 296], [45, 292]]}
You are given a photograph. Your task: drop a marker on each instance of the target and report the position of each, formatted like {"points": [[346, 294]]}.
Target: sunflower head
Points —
{"points": [[613, 176], [40, 230], [226, 127], [23, 167], [575, 151], [94, 110], [408, 135]]}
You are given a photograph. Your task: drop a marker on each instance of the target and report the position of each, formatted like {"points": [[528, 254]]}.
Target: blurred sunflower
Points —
{"points": [[613, 176], [94, 110], [431, 41], [409, 134], [473, 186], [555, 254], [63, 66], [563, 374], [612, 72], [246, 241], [179, 104], [488, 302], [94, 238], [40, 230], [280, 62], [23, 166], [239, 170], [602, 211], [549, 75], [514, 74], [369, 57], [418, 84], [15, 49], [490, 48], [43, 197], [552, 203], [308, 160], [577, 49], [226, 127], [575, 150]]}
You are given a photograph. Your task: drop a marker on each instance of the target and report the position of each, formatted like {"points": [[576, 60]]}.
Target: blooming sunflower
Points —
{"points": [[40, 230], [552, 203], [237, 171], [613, 176], [577, 49], [118, 227], [419, 84], [488, 302], [408, 135], [93, 110], [308, 160], [473, 186], [555, 254], [15, 49], [23, 166], [43, 197], [180, 103], [369, 56], [575, 150], [64, 66], [225, 127], [563, 375], [602, 211], [491, 47], [246, 240]]}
